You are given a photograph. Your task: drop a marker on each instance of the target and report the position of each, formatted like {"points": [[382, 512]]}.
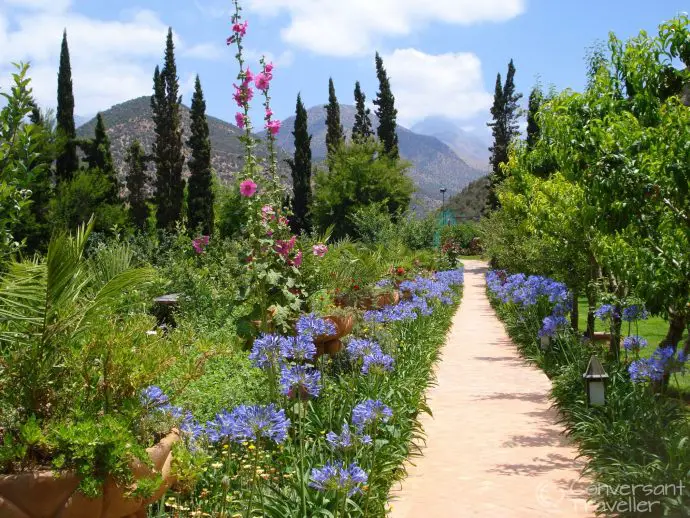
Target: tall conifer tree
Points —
{"points": [[99, 156], [200, 195], [335, 135], [301, 171], [535, 101], [504, 127], [362, 129], [167, 147], [67, 161], [136, 185], [386, 112]]}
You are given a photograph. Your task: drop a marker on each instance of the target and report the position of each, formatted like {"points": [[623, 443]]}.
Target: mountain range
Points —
{"points": [[434, 164]]}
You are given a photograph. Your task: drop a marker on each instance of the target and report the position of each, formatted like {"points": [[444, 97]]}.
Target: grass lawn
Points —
{"points": [[470, 257], [653, 330]]}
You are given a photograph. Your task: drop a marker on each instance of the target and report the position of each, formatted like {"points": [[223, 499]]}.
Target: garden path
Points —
{"points": [[493, 447]]}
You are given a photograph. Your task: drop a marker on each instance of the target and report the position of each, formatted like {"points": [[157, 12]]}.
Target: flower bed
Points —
{"points": [[640, 436], [333, 432]]}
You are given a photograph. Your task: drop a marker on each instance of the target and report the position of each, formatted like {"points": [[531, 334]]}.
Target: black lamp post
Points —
{"points": [[443, 204], [596, 382]]}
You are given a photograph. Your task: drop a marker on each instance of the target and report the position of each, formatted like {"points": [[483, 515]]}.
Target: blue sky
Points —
{"points": [[442, 55]]}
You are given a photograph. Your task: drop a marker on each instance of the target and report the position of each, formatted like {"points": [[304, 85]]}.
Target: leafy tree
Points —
{"points": [[99, 156], [167, 147], [504, 127], [301, 171], [136, 185], [200, 196], [67, 161], [361, 175], [335, 135], [386, 112], [362, 129]]}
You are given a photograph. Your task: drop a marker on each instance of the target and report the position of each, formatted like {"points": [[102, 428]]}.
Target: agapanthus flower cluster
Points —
{"points": [[664, 361], [634, 343], [634, 313], [606, 312], [267, 351], [528, 290], [377, 362], [153, 397], [312, 325], [335, 476], [200, 243], [298, 348], [249, 423], [347, 439], [370, 413], [300, 382], [155, 400], [552, 324]]}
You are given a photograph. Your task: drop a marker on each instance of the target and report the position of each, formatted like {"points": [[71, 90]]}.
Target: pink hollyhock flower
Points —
{"points": [[283, 221], [298, 259], [269, 113], [261, 81], [247, 188], [273, 127], [269, 233], [243, 94], [248, 77], [240, 28], [239, 119], [319, 250], [285, 247], [200, 243]]}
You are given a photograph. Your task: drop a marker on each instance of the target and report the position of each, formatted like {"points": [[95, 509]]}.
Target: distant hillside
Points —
{"points": [[469, 147], [470, 203], [434, 164], [133, 120]]}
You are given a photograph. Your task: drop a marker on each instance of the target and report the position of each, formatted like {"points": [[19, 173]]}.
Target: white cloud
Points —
{"points": [[445, 84], [207, 51], [339, 28]]}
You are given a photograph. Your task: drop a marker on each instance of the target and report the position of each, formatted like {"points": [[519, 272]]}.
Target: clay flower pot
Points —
{"points": [[40, 494], [343, 326], [388, 299]]}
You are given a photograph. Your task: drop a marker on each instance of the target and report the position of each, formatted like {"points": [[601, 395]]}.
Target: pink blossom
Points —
{"points": [[267, 209], [269, 113], [243, 94], [200, 243], [261, 81], [269, 233], [240, 120], [319, 250], [268, 68], [283, 221], [285, 247], [297, 261], [240, 28], [247, 188], [248, 77], [273, 127]]}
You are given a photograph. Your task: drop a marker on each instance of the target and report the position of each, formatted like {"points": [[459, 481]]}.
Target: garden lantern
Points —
{"points": [[545, 343], [595, 378]]}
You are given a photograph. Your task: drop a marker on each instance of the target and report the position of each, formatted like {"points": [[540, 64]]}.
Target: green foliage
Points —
{"points": [[99, 156], [471, 201], [200, 196], [361, 174], [301, 167], [67, 161], [136, 185], [232, 213], [386, 112], [84, 197], [167, 147], [536, 98]]}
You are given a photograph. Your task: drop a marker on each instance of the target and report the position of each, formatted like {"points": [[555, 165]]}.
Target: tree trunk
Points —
{"points": [[575, 311], [676, 327], [591, 292], [615, 343]]}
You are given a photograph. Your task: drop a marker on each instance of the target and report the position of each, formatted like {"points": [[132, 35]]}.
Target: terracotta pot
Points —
{"points": [[40, 494], [333, 347], [343, 326], [388, 299], [365, 303]]}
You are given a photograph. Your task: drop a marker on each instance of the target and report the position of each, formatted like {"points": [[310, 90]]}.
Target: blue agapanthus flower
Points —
{"points": [[358, 348], [377, 362], [312, 325], [606, 312], [346, 439], [267, 351], [634, 343], [370, 413], [249, 423], [153, 397], [335, 476], [298, 348], [664, 361], [635, 312], [300, 382], [552, 324]]}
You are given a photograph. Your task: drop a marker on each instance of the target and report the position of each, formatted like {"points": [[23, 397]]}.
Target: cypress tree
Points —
{"points": [[335, 135], [99, 156], [67, 161], [362, 128], [167, 147], [386, 112], [301, 171], [533, 132], [135, 161], [200, 195], [504, 127]]}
